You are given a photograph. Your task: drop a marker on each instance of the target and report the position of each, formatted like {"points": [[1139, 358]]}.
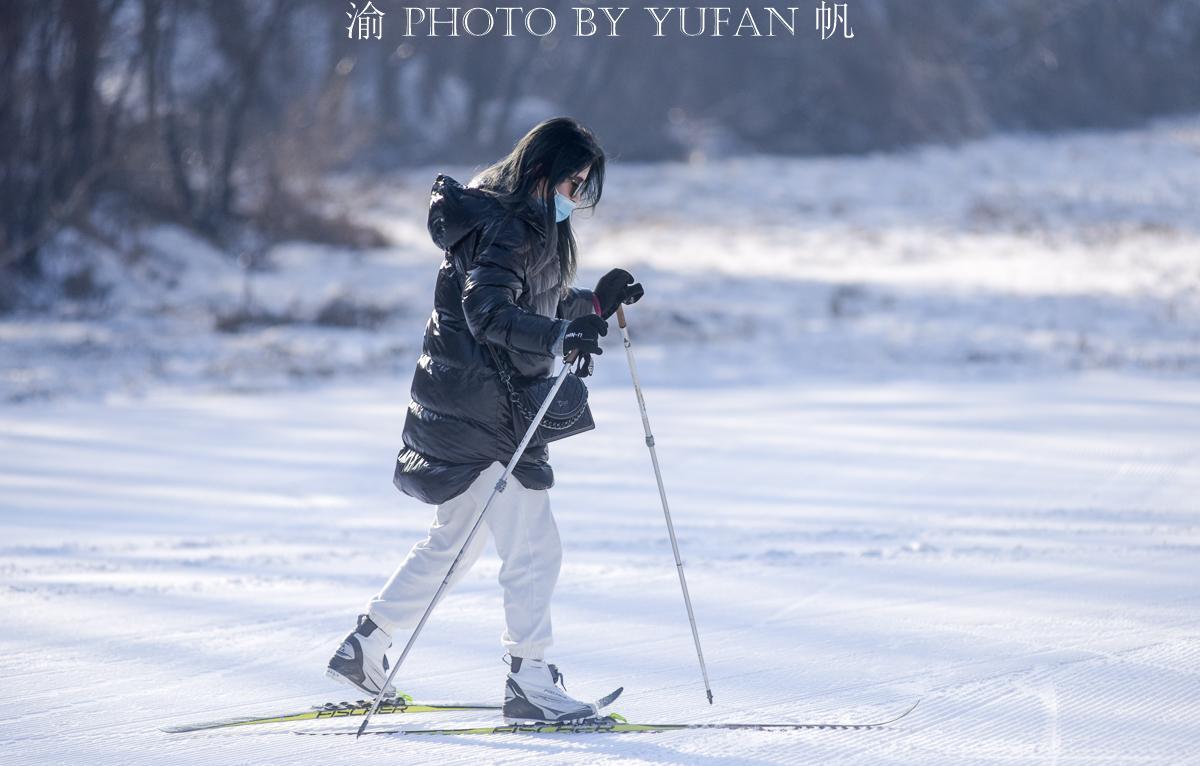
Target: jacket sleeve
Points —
{"points": [[576, 303], [491, 290]]}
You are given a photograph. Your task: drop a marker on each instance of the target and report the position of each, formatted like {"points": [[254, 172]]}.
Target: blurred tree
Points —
{"points": [[225, 115], [51, 138]]}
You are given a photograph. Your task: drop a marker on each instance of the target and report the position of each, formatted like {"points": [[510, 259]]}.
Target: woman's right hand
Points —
{"points": [[583, 335], [614, 288]]}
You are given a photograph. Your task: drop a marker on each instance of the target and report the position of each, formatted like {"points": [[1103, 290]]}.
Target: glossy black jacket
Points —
{"points": [[494, 286]]}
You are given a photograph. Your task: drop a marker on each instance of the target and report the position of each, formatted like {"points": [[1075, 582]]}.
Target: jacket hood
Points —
{"points": [[455, 210]]}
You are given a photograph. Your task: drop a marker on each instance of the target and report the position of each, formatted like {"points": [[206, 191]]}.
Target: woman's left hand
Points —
{"points": [[614, 288]]}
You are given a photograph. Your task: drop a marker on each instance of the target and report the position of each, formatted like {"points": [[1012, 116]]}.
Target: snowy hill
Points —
{"points": [[927, 423], [1013, 254]]}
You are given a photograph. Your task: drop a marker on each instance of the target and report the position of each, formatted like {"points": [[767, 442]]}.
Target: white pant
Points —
{"points": [[530, 551]]}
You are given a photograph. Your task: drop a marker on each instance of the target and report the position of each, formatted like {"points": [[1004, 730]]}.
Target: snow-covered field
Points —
{"points": [[928, 423], [1022, 557], [1015, 254]]}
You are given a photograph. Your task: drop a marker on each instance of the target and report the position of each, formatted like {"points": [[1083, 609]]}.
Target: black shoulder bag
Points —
{"points": [[567, 415]]}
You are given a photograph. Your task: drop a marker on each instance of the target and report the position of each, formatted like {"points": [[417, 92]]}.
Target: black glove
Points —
{"points": [[614, 288], [583, 335]]}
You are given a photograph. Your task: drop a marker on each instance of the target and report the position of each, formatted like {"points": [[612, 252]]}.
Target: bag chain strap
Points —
{"points": [[513, 396]]}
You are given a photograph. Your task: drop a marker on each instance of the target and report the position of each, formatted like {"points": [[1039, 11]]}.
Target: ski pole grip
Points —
{"points": [[570, 358], [620, 316]]}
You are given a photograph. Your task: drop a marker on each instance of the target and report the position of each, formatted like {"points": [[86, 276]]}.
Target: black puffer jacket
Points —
{"points": [[494, 286]]}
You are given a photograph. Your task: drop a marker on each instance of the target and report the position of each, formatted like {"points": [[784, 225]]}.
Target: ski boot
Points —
{"points": [[361, 660], [532, 693]]}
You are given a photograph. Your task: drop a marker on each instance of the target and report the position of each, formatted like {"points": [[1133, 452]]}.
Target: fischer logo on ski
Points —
{"points": [[398, 704]]}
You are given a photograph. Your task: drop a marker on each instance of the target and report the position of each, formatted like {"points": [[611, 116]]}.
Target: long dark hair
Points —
{"points": [[553, 151]]}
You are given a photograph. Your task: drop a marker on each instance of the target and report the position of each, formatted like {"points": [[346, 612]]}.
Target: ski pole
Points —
{"points": [[662, 493], [501, 483]]}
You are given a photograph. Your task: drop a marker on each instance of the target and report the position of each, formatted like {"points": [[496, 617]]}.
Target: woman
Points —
{"points": [[502, 297]]}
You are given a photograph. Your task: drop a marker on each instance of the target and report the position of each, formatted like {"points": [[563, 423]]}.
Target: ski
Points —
{"points": [[616, 724], [398, 704]]}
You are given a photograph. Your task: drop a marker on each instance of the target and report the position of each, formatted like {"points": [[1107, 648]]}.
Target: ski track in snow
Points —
{"points": [[1018, 554]]}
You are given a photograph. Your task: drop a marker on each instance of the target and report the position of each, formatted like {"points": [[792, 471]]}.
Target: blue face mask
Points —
{"points": [[562, 207]]}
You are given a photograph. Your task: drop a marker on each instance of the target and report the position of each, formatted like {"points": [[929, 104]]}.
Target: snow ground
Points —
{"points": [[1020, 556], [928, 424]]}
